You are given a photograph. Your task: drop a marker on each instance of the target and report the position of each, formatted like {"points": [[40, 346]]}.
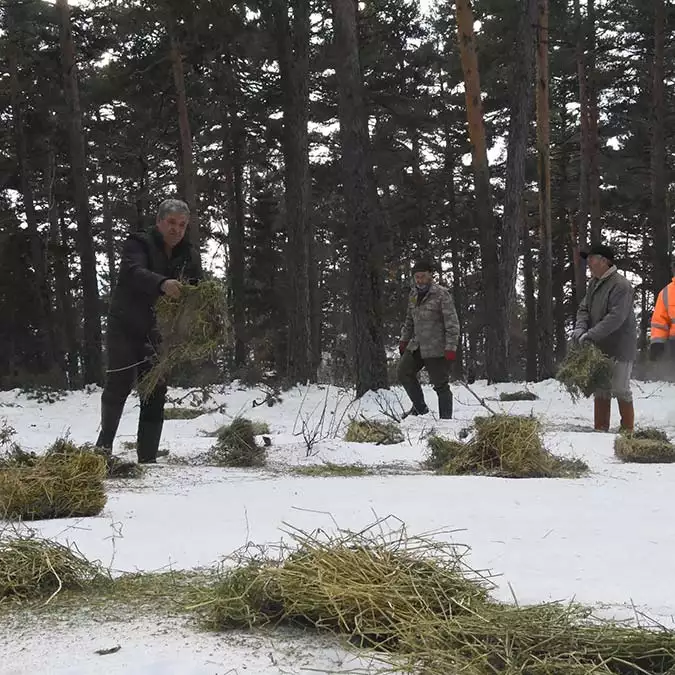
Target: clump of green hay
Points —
{"points": [[330, 469], [415, 601], [184, 413], [648, 433], [236, 446], [56, 486], [372, 431], [644, 449], [518, 396], [260, 427], [585, 370], [508, 446], [194, 328], [116, 467], [31, 567]]}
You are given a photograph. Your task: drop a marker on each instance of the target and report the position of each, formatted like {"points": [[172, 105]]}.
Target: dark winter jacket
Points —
{"points": [[607, 313], [144, 267]]}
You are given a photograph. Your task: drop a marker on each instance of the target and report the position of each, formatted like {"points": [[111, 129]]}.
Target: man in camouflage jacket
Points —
{"points": [[428, 340]]}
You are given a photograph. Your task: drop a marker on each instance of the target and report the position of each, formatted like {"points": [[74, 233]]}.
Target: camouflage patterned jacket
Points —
{"points": [[432, 326]]}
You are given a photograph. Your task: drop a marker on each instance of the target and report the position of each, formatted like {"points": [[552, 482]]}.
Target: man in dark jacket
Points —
{"points": [[606, 317], [153, 263]]}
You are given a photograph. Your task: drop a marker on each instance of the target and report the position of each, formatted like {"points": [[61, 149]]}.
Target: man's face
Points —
{"points": [[597, 265], [172, 228], [422, 278]]}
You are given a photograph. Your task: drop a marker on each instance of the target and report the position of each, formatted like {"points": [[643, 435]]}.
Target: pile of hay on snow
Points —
{"points": [[55, 486], [523, 395], [236, 446], [371, 431], [585, 370], [644, 446], [31, 567], [194, 328], [116, 467], [509, 446], [424, 610]]}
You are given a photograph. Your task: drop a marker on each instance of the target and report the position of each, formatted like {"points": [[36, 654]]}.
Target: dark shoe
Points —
{"points": [[416, 411], [627, 414], [147, 444], [111, 414], [445, 405], [602, 413]]}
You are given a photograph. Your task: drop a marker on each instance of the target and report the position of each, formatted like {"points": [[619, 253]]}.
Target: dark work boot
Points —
{"points": [[147, 441], [445, 403], [111, 413], [418, 409]]}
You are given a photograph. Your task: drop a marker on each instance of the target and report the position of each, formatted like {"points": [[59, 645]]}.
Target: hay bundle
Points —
{"points": [[644, 450], [415, 599], [518, 396], [56, 486], [236, 446], [31, 567], [116, 467], [193, 329], [371, 431], [585, 370], [508, 446]]}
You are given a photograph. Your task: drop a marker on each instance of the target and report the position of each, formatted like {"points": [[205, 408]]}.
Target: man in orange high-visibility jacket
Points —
{"points": [[662, 330]]}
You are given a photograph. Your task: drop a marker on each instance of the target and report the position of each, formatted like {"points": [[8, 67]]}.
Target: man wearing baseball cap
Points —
{"points": [[606, 318]]}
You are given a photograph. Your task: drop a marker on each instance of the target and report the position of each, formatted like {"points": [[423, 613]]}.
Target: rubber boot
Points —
{"points": [[602, 413], [627, 414], [111, 414], [445, 404], [147, 441]]}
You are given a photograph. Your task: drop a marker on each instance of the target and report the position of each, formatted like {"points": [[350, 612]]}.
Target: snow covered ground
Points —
{"points": [[606, 539]]}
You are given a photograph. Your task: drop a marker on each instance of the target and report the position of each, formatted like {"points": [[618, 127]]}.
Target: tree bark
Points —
{"points": [[546, 364], [496, 327], [593, 138], [364, 218], [109, 235], [531, 369], [659, 220], [294, 45], [187, 164], [521, 104], [92, 359]]}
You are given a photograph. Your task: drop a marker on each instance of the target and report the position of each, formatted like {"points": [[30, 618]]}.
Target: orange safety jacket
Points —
{"points": [[663, 317]]}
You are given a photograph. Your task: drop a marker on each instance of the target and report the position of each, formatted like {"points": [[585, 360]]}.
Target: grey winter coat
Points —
{"points": [[608, 315], [431, 326]]}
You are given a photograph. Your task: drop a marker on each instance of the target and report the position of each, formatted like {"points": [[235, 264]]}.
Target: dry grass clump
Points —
{"points": [[644, 449], [116, 467], [31, 567], [327, 469], [56, 486], [425, 610], [236, 446], [585, 370], [523, 395], [194, 328], [372, 431], [178, 413], [508, 446]]}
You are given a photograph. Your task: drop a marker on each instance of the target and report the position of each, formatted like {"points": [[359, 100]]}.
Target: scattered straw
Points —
{"points": [[177, 413], [116, 467], [327, 469], [508, 446], [371, 431], [193, 328], [644, 450], [518, 396], [56, 486], [585, 370], [236, 446]]}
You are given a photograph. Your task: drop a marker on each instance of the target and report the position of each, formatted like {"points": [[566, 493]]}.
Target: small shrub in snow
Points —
{"points": [[584, 371], [236, 446], [647, 449], [518, 396], [371, 431]]}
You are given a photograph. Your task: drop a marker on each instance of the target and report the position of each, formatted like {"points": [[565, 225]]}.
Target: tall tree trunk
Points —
{"points": [[188, 170], [92, 362], [579, 233], [521, 105], [364, 218], [142, 196], [108, 234], [531, 369], [659, 219], [496, 327], [546, 365], [42, 291], [293, 43], [593, 138]]}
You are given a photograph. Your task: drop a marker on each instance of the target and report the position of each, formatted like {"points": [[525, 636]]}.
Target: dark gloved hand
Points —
{"points": [[450, 355], [577, 333], [656, 350], [402, 346]]}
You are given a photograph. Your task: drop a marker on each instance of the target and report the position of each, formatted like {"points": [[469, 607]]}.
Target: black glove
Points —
{"points": [[656, 350]]}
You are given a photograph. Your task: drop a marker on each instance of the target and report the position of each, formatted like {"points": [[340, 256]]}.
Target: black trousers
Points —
{"points": [[439, 375], [129, 359]]}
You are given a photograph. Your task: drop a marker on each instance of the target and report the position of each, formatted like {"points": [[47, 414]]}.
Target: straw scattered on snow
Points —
{"points": [[372, 431], [644, 446]]}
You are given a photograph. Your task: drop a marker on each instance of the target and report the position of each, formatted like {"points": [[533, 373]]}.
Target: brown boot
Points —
{"points": [[627, 413], [603, 412]]}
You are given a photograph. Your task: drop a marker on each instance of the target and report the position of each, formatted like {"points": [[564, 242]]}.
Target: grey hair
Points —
{"points": [[172, 206]]}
